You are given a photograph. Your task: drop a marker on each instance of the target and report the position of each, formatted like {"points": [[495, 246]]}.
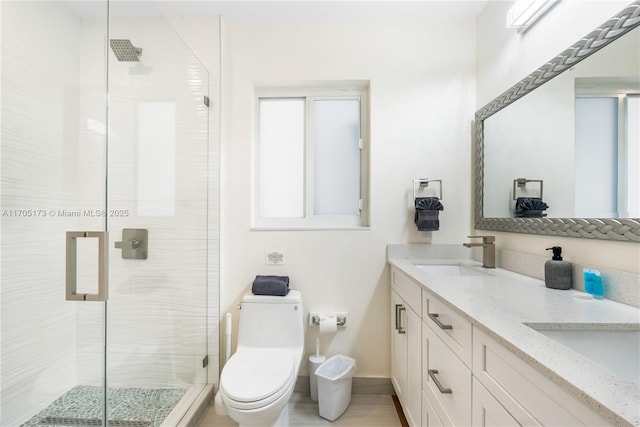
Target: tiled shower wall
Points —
{"points": [[40, 159], [53, 158]]}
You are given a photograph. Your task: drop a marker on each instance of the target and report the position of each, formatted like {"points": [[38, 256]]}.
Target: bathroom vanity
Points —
{"points": [[476, 346]]}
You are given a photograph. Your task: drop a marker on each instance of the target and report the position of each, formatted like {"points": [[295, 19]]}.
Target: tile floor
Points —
{"points": [[371, 410]]}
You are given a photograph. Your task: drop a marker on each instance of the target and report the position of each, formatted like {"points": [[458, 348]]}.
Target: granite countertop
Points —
{"points": [[502, 303]]}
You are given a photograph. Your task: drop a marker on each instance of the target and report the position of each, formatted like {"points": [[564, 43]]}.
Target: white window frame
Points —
{"points": [[313, 91]]}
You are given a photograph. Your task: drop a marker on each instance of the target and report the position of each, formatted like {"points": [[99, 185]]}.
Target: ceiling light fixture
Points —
{"points": [[525, 12]]}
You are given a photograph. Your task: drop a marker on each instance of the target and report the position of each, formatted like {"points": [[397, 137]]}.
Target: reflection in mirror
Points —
{"points": [[574, 128], [566, 133], [606, 158]]}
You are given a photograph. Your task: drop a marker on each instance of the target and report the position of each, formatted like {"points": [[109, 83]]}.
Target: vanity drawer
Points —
{"points": [[451, 327], [530, 397], [409, 290], [433, 414], [487, 411], [445, 379]]}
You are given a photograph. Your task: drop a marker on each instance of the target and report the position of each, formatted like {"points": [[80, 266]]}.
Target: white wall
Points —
{"points": [[505, 57], [422, 103]]}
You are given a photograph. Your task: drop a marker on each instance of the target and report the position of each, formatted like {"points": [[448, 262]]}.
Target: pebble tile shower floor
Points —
{"points": [[128, 407]]}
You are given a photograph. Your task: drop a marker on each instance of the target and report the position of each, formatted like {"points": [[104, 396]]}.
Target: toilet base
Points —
{"points": [[218, 406], [282, 421]]}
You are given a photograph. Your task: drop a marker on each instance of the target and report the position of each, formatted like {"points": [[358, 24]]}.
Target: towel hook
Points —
{"points": [[424, 182]]}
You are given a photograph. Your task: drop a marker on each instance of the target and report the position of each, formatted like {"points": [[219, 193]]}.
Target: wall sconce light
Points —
{"points": [[525, 12]]}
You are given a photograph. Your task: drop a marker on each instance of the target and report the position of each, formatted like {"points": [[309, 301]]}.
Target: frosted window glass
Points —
{"points": [[633, 156], [281, 158], [336, 157], [157, 159]]}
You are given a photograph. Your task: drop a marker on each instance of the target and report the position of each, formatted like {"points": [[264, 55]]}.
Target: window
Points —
{"points": [[310, 158]]}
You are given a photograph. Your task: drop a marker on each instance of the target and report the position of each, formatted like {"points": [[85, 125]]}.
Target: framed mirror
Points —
{"points": [[559, 152]]}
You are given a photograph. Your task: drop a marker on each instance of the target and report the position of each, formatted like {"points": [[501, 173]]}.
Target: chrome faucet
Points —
{"points": [[488, 250]]}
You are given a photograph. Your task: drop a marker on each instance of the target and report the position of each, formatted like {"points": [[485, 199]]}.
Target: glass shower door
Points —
{"points": [[156, 217], [100, 154], [53, 181]]}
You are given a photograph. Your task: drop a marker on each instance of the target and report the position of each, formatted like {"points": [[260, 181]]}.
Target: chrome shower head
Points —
{"points": [[124, 50]]}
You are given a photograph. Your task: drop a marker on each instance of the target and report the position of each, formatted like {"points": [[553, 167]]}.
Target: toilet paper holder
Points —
{"points": [[341, 318]]}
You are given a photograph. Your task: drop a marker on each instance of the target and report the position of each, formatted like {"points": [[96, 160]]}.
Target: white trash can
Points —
{"points": [[334, 386]]}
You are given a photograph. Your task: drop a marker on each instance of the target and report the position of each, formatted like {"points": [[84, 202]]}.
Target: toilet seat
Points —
{"points": [[256, 377]]}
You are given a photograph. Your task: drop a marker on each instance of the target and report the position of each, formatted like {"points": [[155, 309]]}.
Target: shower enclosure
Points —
{"points": [[104, 216]]}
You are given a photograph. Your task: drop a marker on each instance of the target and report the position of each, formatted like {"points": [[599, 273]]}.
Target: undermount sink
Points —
{"points": [[616, 349], [451, 270]]}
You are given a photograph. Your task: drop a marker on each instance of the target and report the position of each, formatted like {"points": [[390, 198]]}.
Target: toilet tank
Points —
{"points": [[271, 321]]}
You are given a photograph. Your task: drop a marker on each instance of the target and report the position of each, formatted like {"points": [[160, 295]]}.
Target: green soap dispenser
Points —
{"points": [[557, 273]]}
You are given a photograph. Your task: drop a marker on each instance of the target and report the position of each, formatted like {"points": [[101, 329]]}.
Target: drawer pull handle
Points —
{"points": [[400, 330], [432, 374], [434, 317], [397, 317]]}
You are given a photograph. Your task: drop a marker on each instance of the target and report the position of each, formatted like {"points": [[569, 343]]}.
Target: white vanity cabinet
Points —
{"points": [[406, 345], [448, 372]]}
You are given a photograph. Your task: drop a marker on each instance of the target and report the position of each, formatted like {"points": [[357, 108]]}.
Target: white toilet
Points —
{"points": [[258, 380]]}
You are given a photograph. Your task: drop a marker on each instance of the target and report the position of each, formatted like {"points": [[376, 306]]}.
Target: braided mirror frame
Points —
{"points": [[624, 229]]}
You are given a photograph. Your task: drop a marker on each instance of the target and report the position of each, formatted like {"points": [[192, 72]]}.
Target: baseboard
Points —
{"points": [[360, 385]]}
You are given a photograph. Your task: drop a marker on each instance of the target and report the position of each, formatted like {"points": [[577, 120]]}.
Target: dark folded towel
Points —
{"points": [[428, 204], [530, 207], [426, 217], [271, 285]]}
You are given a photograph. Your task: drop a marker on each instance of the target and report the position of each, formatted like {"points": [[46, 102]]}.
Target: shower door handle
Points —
{"points": [[103, 266]]}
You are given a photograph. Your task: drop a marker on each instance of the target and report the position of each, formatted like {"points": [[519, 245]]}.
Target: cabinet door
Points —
{"points": [[398, 348], [486, 411], [414, 368]]}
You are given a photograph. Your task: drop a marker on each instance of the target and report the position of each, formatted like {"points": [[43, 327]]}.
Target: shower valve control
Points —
{"points": [[134, 243]]}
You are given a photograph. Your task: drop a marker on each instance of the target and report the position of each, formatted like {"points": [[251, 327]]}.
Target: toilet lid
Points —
{"points": [[254, 374]]}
